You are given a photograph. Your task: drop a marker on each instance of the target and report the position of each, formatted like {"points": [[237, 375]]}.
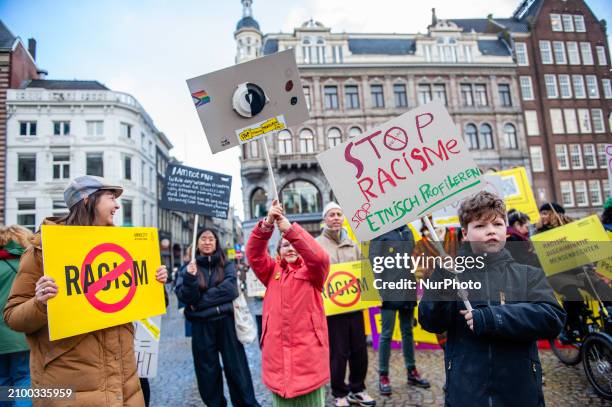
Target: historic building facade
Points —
{"points": [[354, 81]]}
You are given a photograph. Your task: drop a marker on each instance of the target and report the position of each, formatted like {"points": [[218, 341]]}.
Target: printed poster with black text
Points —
{"points": [[105, 277], [404, 169]]}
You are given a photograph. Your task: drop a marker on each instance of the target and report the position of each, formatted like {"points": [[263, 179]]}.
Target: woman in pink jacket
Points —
{"points": [[294, 343]]}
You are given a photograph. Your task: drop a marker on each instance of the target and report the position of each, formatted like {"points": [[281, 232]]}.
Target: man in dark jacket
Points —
{"points": [[396, 243], [491, 354]]}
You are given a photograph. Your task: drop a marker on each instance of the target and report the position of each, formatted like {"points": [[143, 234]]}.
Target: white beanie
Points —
{"points": [[329, 207]]}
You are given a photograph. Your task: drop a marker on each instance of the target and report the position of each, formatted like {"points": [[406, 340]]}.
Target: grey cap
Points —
{"points": [[81, 187]]}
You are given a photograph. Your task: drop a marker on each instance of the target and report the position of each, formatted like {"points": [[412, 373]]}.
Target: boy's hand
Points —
{"points": [[274, 213], [469, 318]]}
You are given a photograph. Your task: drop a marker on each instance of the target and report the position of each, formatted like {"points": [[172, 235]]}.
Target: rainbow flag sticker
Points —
{"points": [[200, 98]]}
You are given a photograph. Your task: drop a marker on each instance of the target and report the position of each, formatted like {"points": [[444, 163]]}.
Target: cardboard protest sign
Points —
{"points": [[198, 191], [575, 244], [105, 277], [401, 170], [244, 102], [609, 165], [255, 288], [349, 287], [146, 346], [518, 193]]}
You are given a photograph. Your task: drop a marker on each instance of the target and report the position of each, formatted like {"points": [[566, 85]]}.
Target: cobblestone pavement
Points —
{"points": [[175, 384]]}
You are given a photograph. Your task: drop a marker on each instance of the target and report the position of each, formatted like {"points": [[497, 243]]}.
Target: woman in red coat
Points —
{"points": [[294, 343]]}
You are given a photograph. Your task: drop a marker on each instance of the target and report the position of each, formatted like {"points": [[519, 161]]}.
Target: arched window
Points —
{"points": [[285, 145], [471, 136], [486, 134], [259, 200], [354, 132], [334, 137], [301, 197], [306, 141], [510, 136]]}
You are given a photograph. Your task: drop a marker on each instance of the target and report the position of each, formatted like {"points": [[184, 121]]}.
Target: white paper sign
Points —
{"points": [[254, 287], [146, 346], [402, 170]]}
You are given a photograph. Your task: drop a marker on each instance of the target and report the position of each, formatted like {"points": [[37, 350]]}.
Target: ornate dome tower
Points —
{"points": [[248, 36]]}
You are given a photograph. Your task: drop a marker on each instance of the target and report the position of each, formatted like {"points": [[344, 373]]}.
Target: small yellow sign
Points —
{"points": [[105, 277], [259, 129], [349, 287], [518, 194], [575, 244]]}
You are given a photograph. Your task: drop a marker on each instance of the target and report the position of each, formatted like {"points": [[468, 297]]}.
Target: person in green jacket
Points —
{"points": [[14, 350]]}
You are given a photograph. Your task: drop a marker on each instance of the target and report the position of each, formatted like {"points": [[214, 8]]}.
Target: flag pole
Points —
{"points": [[269, 163], [195, 236]]}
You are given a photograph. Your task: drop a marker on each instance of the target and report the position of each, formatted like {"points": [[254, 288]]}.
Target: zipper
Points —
{"points": [[450, 364], [489, 344]]}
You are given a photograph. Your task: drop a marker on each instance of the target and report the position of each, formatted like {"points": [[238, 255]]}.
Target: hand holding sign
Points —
{"points": [[161, 274], [275, 212], [45, 289]]}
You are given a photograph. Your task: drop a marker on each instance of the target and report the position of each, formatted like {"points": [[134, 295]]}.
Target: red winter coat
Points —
{"points": [[294, 343]]}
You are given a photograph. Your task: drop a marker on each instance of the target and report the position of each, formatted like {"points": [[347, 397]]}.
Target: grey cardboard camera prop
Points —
{"points": [[244, 102]]}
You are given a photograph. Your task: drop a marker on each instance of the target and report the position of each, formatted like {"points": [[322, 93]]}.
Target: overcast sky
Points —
{"points": [[149, 48]]}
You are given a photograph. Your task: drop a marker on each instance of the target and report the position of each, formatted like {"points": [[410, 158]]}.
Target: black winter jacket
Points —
{"points": [[497, 364], [398, 241], [213, 302]]}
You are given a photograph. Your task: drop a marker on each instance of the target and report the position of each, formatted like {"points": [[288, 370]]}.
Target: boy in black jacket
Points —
{"points": [[491, 354]]}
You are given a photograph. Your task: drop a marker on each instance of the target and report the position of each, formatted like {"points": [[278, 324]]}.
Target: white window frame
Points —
{"points": [[581, 191], [537, 159], [28, 130], [571, 122], [586, 53], [128, 131], [550, 82], [95, 128], [565, 87], [606, 84], [522, 57], [575, 152], [568, 23], [562, 157], [588, 150], [592, 87], [526, 88], [546, 54], [584, 121], [567, 187], [579, 23], [556, 120], [555, 22], [64, 127], [26, 212], [602, 58], [573, 53], [579, 88], [532, 123], [601, 156], [559, 52], [62, 166], [285, 142], [595, 187], [597, 120]]}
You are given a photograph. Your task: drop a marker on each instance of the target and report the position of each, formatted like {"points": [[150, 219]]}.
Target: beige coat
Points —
{"points": [[339, 250], [99, 366]]}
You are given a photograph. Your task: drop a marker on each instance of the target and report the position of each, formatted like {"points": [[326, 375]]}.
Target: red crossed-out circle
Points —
{"points": [[343, 289], [93, 289]]}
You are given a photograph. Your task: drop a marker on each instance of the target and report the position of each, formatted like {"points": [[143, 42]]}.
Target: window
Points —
{"points": [[606, 188], [150, 147], [575, 156], [565, 86], [568, 22], [556, 120], [591, 86], [607, 88], [351, 97], [579, 23], [537, 161], [551, 86], [584, 119], [95, 164], [285, 142], [579, 91], [59, 208], [480, 94], [61, 128], [567, 193], [126, 131], [26, 213], [581, 193], [504, 95], [467, 53], [439, 93], [334, 137], [306, 141], [531, 122], [559, 51], [526, 88], [354, 132], [399, 94], [562, 159], [571, 123], [555, 22], [466, 95], [127, 212], [331, 97], [590, 156], [259, 200], [26, 167], [424, 94], [601, 155], [572, 53], [143, 172], [471, 136], [378, 98], [337, 54], [601, 55], [595, 192], [27, 128], [306, 90], [545, 52], [510, 136], [95, 128], [253, 147], [522, 58], [301, 197], [486, 134], [587, 55], [127, 167], [598, 121], [61, 166]]}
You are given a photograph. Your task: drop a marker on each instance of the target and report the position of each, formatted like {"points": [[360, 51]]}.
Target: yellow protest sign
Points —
{"points": [[105, 277], [349, 288], [518, 193], [419, 335], [575, 244]]}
